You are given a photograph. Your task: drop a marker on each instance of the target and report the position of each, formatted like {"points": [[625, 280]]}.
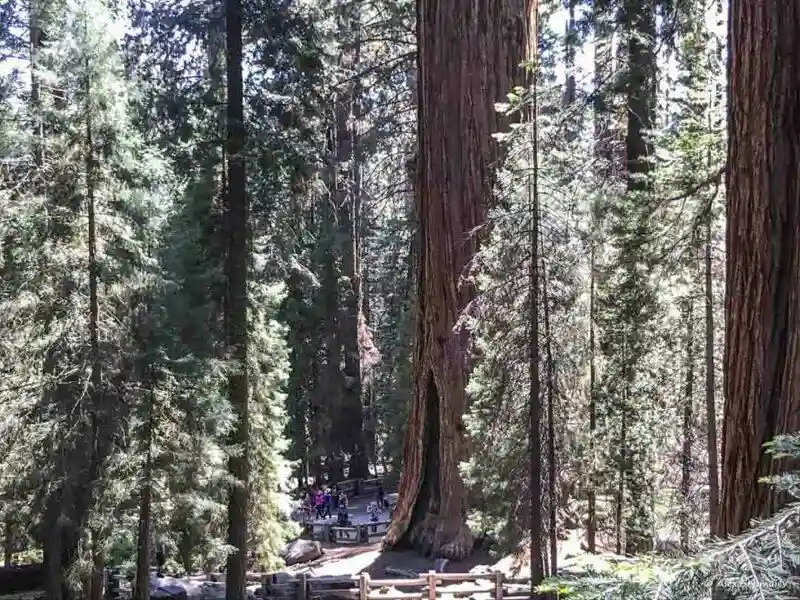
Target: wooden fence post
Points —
{"points": [[363, 586], [431, 585], [498, 585], [303, 591]]}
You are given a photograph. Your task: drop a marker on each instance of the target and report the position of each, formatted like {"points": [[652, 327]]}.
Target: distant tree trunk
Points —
{"points": [[237, 229], [467, 60], [8, 542], [602, 76], [330, 391], [688, 429], [84, 494], [301, 378], [762, 360], [551, 430], [350, 419], [622, 467], [602, 150], [98, 564], [711, 405], [36, 39], [144, 551], [537, 557], [639, 20], [569, 55], [591, 528]]}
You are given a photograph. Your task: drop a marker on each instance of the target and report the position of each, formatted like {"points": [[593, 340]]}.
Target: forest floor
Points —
{"points": [[352, 560]]}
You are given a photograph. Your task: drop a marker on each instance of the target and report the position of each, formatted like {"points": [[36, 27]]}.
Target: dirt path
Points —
{"points": [[352, 560]]}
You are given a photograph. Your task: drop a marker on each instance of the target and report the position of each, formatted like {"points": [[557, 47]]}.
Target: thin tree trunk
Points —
{"points": [[551, 429], [468, 59], [602, 76], [96, 396], [639, 20], [144, 551], [237, 229], [711, 405], [602, 150], [8, 542], [36, 39], [623, 458], [534, 399], [591, 529], [686, 453], [98, 564], [569, 56], [762, 351]]}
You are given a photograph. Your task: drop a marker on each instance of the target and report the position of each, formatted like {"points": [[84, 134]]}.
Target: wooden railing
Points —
{"points": [[359, 487], [363, 533], [429, 586]]}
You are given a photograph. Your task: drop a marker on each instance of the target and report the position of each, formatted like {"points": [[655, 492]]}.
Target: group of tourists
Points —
{"points": [[325, 502], [322, 502]]}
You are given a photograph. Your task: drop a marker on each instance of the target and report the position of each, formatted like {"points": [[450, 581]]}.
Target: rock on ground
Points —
{"points": [[300, 551]]}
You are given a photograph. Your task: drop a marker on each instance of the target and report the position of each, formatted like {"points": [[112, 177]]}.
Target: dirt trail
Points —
{"points": [[352, 560]]}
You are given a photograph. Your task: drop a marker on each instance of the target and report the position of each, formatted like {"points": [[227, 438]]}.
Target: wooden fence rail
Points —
{"points": [[360, 487], [429, 586]]}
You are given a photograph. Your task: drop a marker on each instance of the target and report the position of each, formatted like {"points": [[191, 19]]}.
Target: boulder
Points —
{"points": [[254, 592], [301, 551], [281, 577], [169, 592], [212, 591], [481, 570]]}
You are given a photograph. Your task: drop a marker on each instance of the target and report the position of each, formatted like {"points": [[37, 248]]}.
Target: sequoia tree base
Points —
{"points": [[434, 536]]}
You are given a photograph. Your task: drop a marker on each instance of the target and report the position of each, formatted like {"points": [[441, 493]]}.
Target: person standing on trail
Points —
{"points": [[343, 517], [335, 496], [326, 504], [319, 503]]}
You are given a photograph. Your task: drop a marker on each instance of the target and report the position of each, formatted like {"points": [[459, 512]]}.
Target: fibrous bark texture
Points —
{"points": [[469, 56], [237, 228], [762, 305]]}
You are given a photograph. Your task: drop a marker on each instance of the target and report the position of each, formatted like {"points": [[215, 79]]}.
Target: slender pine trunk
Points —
{"points": [[237, 223], [711, 405], [622, 466], [8, 543], [86, 493], [551, 429], [687, 429], [534, 398], [591, 529], [144, 550]]}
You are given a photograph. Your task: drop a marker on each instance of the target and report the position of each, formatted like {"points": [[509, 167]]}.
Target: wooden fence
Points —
{"points": [[430, 586], [363, 533], [359, 487]]}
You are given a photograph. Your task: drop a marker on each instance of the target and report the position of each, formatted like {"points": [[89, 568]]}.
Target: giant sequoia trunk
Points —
{"points": [[762, 353], [468, 56], [237, 227]]}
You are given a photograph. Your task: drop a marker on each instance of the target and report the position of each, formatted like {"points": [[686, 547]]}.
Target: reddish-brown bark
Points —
{"points": [[469, 55], [761, 365]]}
